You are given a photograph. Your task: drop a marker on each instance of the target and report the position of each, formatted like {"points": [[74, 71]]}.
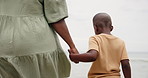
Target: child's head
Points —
{"points": [[102, 23]]}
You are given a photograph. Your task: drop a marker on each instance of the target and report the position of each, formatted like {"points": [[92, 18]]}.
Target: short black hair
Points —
{"points": [[104, 17]]}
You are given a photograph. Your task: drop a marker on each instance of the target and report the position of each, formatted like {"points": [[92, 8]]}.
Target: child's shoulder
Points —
{"points": [[95, 37], [106, 36]]}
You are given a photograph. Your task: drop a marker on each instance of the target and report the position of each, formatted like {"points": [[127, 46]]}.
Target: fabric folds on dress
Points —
{"points": [[29, 47]]}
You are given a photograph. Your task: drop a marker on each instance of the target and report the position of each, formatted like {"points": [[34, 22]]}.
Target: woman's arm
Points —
{"points": [[61, 28]]}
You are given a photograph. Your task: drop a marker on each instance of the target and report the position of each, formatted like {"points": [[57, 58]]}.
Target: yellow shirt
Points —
{"points": [[111, 51]]}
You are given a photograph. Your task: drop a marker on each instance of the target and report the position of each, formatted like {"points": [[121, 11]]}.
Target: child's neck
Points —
{"points": [[106, 33]]}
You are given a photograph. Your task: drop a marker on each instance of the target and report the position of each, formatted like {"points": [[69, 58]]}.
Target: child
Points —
{"points": [[105, 51]]}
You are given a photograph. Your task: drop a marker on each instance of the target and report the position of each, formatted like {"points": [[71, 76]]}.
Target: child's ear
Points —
{"points": [[111, 28]]}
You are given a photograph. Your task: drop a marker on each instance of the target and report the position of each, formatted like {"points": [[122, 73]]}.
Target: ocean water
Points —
{"points": [[138, 62]]}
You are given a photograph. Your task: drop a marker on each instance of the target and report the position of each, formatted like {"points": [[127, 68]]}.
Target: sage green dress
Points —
{"points": [[29, 47]]}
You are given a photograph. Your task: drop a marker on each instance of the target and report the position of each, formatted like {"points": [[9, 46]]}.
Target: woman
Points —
{"points": [[29, 47]]}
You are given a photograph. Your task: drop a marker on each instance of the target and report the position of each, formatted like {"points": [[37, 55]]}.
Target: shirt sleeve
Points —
{"points": [[55, 10], [93, 44], [124, 53]]}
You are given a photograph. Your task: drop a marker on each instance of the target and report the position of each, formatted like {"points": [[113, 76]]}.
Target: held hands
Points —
{"points": [[73, 52]]}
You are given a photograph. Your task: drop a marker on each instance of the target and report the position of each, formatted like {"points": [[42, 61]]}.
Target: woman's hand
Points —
{"points": [[73, 51]]}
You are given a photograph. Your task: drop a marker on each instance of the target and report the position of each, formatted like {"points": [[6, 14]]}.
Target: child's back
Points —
{"points": [[105, 51], [111, 51]]}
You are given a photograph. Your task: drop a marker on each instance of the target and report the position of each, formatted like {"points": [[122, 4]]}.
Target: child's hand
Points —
{"points": [[72, 52], [72, 56]]}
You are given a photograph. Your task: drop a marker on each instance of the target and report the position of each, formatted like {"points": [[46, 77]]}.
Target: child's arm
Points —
{"points": [[90, 56], [126, 68]]}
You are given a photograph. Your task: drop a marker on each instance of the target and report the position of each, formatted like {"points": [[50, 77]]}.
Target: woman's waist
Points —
{"points": [[13, 54], [12, 51], [27, 44]]}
